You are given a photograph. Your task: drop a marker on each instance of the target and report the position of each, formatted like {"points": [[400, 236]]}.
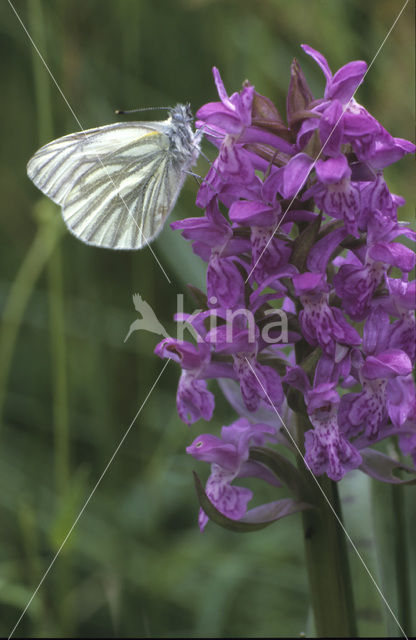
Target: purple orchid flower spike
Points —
{"points": [[299, 224]]}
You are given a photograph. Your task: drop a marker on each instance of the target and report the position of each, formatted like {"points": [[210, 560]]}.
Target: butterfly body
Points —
{"points": [[118, 183]]}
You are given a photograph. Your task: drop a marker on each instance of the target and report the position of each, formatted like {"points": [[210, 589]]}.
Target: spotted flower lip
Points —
{"points": [[299, 224], [322, 324], [403, 293], [383, 373], [228, 456], [193, 399]]}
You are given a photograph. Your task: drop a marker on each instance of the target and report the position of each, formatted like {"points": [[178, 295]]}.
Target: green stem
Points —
{"points": [[54, 269], [58, 346], [49, 232], [402, 560], [59, 360], [327, 562]]}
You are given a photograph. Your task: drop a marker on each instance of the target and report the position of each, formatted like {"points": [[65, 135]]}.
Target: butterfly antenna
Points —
{"points": [[127, 111], [206, 158]]}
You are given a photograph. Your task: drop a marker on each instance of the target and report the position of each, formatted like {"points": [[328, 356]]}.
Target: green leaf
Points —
{"points": [[255, 519], [276, 510], [285, 471], [381, 467], [303, 244], [199, 296], [16, 595], [309, 363], [295, 399]]}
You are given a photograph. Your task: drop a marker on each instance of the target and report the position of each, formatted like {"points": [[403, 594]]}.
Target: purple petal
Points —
{"points": [[346, 80], [331, 129], [322, 250], [229, 500], [305, 132], [401, 400], [296, 173], [225, 282], [253, 213], [328, 451], [404, 292], [321, 396], [393, 253], [387, 364], [376, 331], [255, 134], [273, 185], [297, 378], [333, 169], [188, 355], [220, 88], [244, 434], [215, 114], [264, 414], [209, 448], [358, 123], [305, 282], [319, 58], [193, 400], [386, 153]]}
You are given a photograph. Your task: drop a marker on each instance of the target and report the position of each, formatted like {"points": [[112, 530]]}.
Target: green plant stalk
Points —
{"points": [[54, 270], [32, 266], [402, 560], [327, 560], [56, 307], [59, 363]]}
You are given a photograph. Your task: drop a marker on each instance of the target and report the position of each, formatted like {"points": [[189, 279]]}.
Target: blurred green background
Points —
{"points": [[136, 564]]}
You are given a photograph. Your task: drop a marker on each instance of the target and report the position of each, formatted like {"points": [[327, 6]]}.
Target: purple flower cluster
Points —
{"points": [[299, 222]]}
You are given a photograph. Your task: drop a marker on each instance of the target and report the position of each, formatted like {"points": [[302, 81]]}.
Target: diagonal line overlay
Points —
{"points": [[328, 502], [83, 131], [88, 500], [165, 365]]}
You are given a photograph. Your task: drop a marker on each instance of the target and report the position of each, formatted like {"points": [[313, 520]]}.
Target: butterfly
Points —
{"points": [[118, 183]]}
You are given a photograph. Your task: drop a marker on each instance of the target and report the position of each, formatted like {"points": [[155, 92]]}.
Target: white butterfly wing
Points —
{"points": [[56, 166], [116, 184]]}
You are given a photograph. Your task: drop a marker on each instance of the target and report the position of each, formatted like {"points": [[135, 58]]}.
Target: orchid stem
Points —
{"points": [[401, 558], [327, 563]]}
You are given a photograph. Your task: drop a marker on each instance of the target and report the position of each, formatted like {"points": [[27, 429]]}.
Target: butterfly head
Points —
{"points": [[181, 113]]}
